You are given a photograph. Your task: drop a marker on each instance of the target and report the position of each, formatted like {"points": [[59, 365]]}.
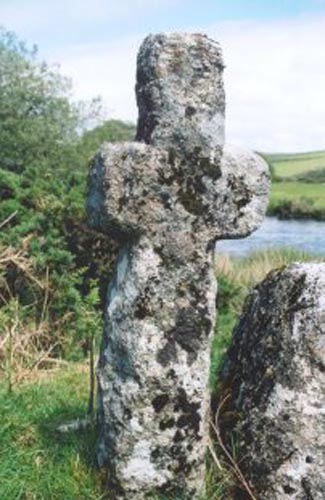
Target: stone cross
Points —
{"points": [[167, 198]]}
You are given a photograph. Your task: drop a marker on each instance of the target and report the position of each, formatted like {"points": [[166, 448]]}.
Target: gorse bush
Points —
{"points": [[51, 257], [43, 316]]}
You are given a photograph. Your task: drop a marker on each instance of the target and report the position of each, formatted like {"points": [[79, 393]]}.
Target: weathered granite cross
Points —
{"points": [[167, 198]]}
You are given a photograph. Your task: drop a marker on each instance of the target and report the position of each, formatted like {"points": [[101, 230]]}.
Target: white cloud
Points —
{"points": [[105, 69], [275, 80]]}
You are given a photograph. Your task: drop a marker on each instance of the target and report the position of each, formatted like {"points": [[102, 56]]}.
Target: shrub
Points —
{"points": [[54, 256]]}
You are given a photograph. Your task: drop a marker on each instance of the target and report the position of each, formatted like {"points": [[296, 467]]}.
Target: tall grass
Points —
{"points": [[246, 272]]}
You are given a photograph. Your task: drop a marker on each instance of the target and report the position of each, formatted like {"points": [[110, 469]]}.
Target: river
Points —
{"points": [[304, 235]]}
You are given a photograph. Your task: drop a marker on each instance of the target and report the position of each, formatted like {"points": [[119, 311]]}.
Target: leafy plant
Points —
{"points": [[50, 257]]}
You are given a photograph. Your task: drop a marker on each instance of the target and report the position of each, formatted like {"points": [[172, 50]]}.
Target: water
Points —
{"points": [[304, 235]]}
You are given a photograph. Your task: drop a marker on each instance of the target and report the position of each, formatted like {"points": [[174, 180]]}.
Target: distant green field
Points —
{"points": [[299, 190], [297, 200], [298, 185], [288, 165]]}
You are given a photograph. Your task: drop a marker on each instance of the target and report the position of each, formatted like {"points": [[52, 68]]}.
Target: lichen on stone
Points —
{"points": [[275, 377], [167, 198]]}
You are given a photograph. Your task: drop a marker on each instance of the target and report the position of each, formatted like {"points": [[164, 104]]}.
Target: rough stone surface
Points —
{"points": [[180, 96], [166, 200], [275, 371]]}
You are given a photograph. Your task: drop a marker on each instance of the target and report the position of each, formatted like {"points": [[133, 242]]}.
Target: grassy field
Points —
{"points": [[294, 190], [298, 185], [288, 165]]}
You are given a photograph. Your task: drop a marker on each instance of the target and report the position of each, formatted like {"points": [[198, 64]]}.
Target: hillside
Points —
{"points": [[295, 164]]}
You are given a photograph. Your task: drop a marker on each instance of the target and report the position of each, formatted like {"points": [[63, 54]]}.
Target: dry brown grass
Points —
{"points": [[25, 345], [248, 271]]}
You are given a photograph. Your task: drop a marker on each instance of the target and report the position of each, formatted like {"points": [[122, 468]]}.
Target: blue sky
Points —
{"points": [[274, 53], [62, 22]]}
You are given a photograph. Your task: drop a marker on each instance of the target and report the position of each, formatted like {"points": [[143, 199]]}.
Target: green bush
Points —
{"points": [[44, 155]]}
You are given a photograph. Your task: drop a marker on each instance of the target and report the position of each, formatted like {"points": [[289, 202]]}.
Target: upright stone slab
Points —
{"points": [[167, 198], [275, 376]]}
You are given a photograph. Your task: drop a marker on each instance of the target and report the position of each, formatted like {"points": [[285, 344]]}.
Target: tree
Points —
{"points": [[36, 117], [109, 131]]}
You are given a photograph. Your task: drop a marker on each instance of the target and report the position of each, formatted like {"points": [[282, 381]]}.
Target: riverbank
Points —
{"points": [[298, 185], [301, 235], [297, 200]]}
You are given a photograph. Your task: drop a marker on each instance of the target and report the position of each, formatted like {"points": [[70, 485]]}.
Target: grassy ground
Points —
{"points": [[36, 462]]}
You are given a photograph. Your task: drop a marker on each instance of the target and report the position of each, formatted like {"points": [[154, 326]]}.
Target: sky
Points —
{"points": [[274, 51]]}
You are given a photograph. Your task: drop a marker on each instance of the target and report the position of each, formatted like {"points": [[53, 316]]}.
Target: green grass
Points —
{"points": [[298, 187], [288, 165], [294, 190], [36, 462], [298, 199]]}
